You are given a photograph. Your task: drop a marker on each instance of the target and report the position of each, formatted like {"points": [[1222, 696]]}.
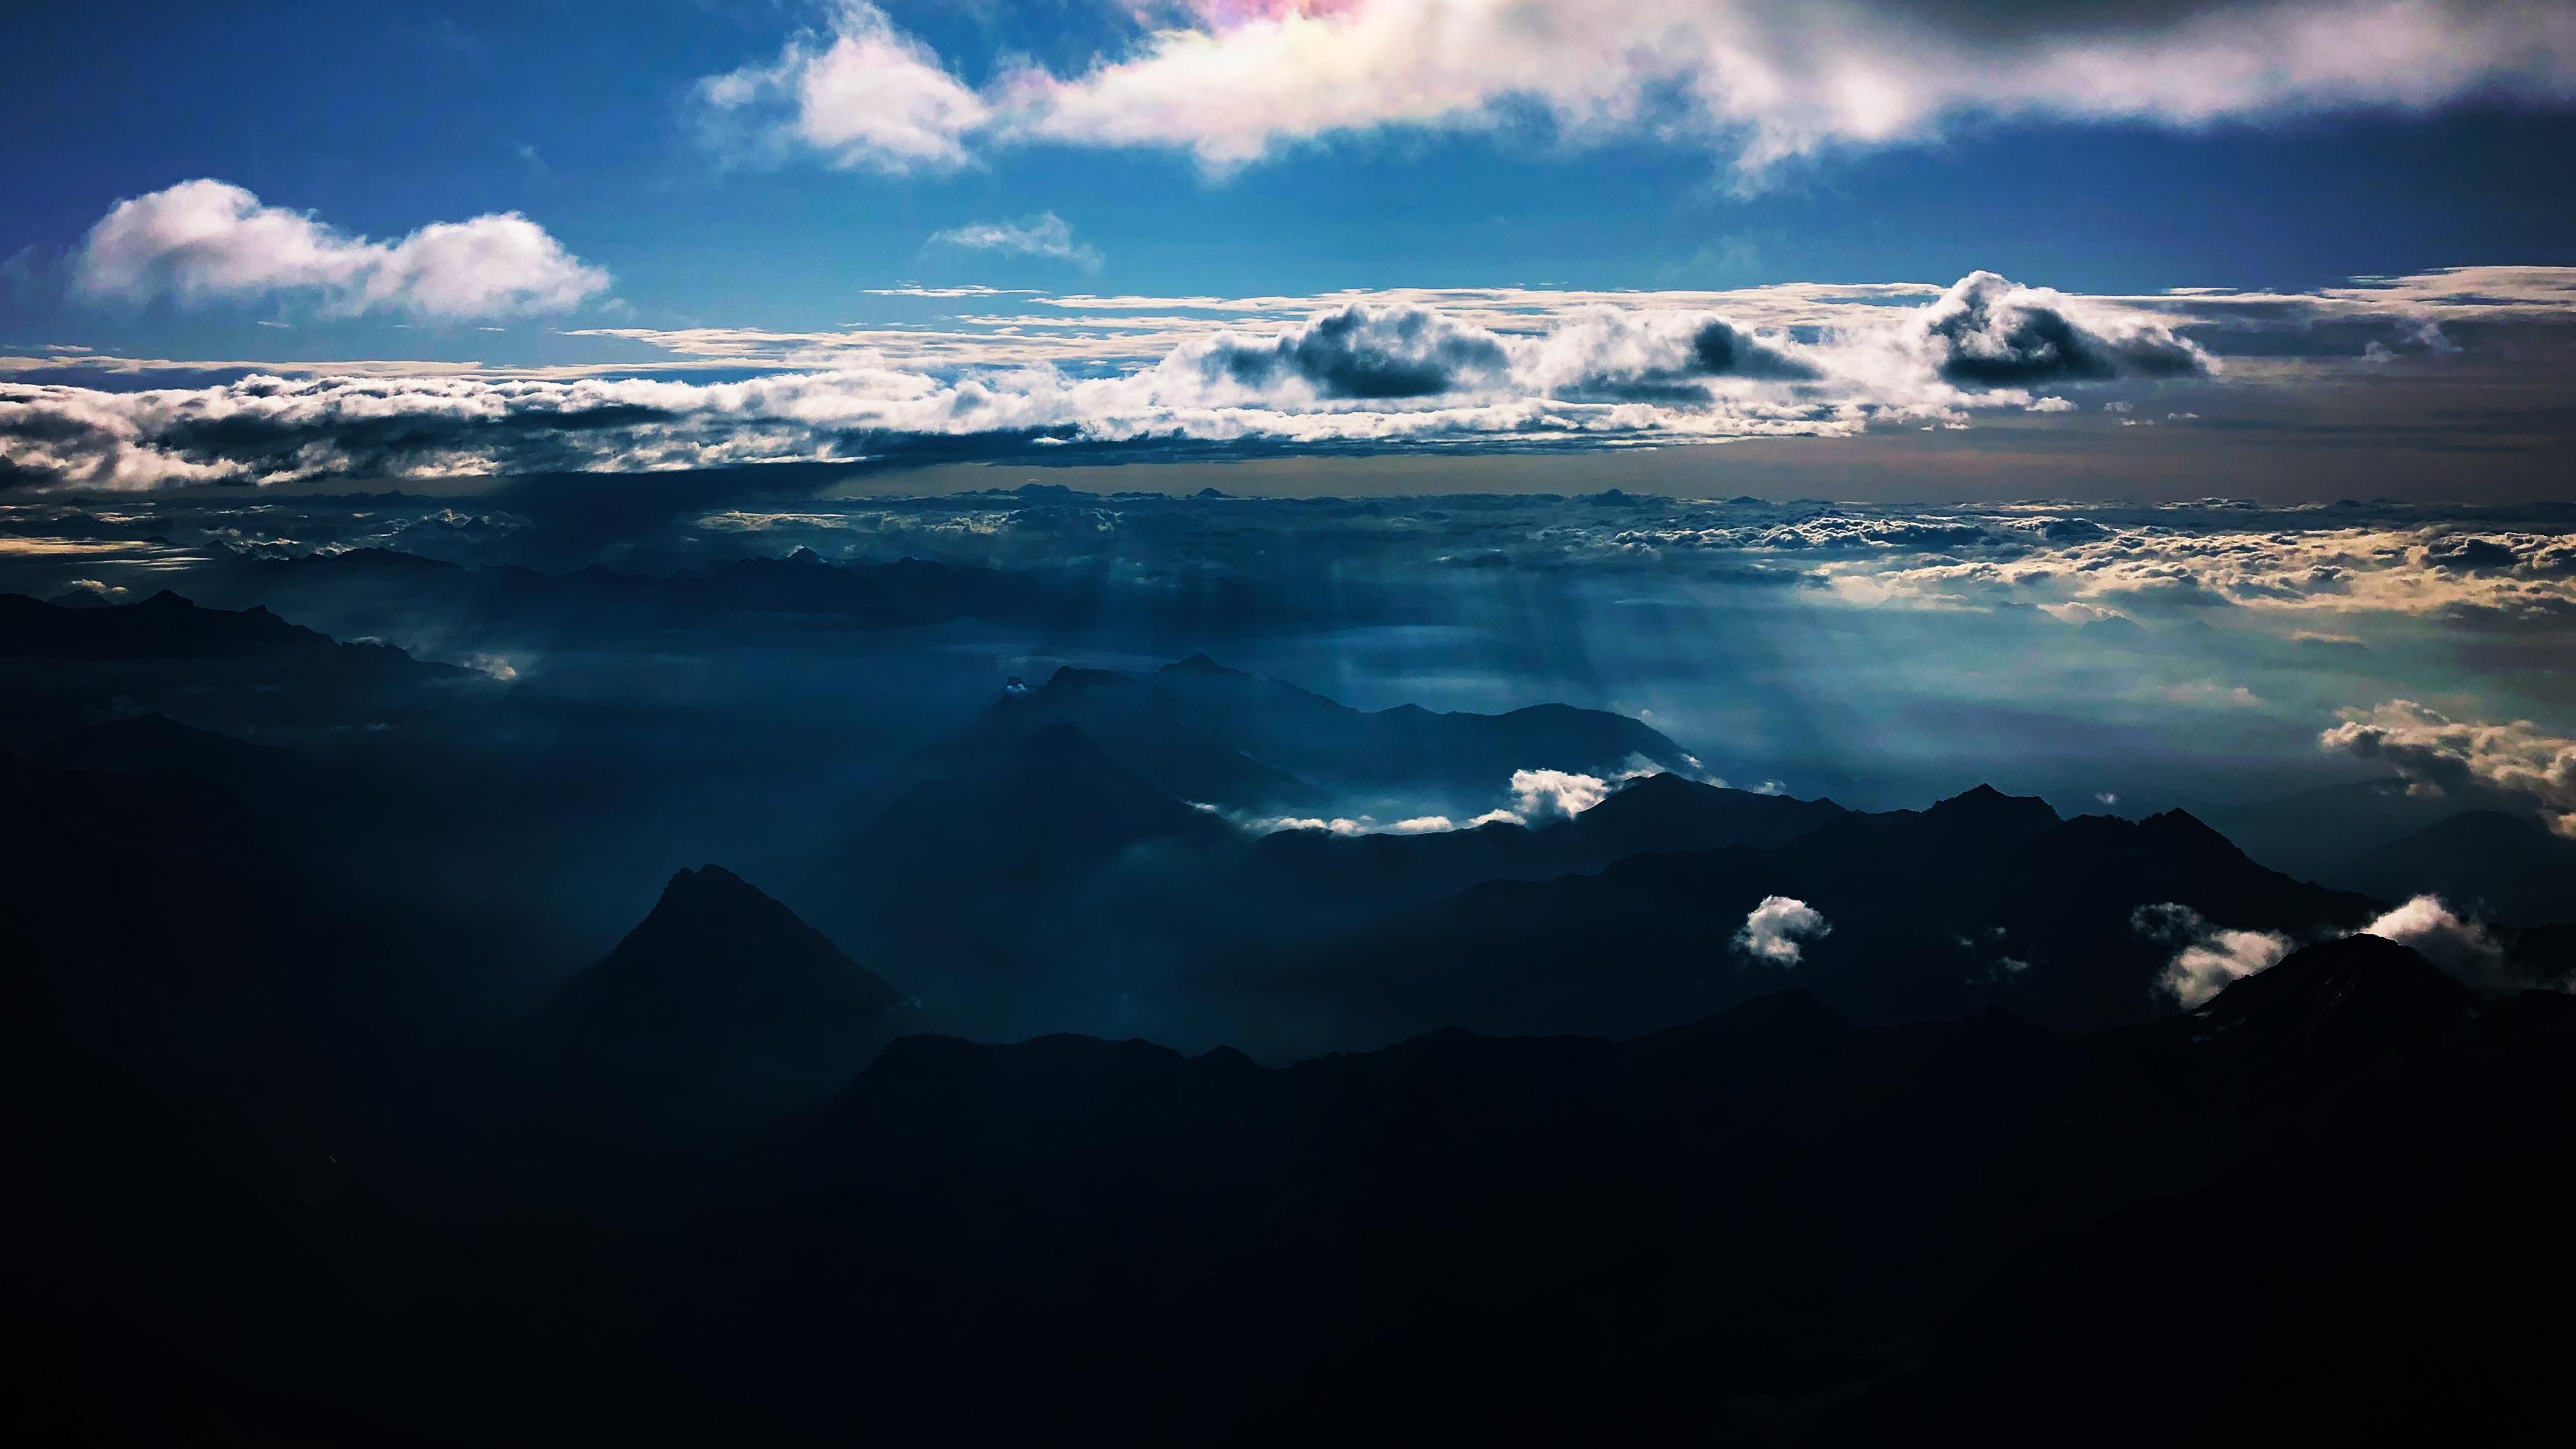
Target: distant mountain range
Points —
{"points": [[2509, 867], [1218, 736], [65, 666], [1519, 1129]]}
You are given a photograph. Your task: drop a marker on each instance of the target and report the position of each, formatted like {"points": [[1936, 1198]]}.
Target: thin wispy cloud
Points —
{"points": [[1043, 235]]}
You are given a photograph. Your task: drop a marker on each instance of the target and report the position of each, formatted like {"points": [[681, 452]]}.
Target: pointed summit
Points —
{"points": [[719, 1011], [2327, 1016], [1989, 812]]}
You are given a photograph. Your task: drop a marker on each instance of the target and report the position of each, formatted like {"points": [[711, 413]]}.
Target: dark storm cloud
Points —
{"points": [[1987, 332], [1366, 352]]}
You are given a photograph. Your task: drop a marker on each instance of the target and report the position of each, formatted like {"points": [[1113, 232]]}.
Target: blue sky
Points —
{"points": [[1264, 148]]}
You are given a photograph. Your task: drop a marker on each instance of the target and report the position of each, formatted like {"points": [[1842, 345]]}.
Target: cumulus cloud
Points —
{"points": [[1761, 81], [1043, 235], [1772, 931], [861, 92], [2439, 753], [205, 239], [1987, 331], [1544, 795], [1357, 352], [2206, 958]]}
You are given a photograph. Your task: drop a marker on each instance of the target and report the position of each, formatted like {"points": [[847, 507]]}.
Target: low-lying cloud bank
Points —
{"points": [[1758, 81], [1361, 376], [1538, 798]]}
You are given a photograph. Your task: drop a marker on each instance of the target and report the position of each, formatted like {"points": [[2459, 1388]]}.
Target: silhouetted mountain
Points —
{"points": [[1983, 899], [2314, 833], [1771, 1226], [1220, 736], [720, 1012], [1046, 809], [2306, 1160], [1167, 1248], [70, 666], [166, 626], [2509, 867], [1377, 871]]}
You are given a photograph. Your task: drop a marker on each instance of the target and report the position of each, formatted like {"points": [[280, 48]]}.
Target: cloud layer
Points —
{"points": [[210, 240], [1759, 81], [1356, 377]]}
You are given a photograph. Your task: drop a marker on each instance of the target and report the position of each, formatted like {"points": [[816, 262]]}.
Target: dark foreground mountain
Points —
{"points": [[715, 1016], [1772, 1226], [2323, 1199]]}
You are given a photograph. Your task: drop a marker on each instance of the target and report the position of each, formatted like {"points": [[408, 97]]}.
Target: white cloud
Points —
{"points": [[1543, 795], [2210, 694], [1503, 368], [2441, 753], [1341, 825], [1043, 235], [1762, 81], [866, 95], [2428, 570], [1772, 930], [2457, 945], [208, 239], [2207, 958], [1359, 375]]}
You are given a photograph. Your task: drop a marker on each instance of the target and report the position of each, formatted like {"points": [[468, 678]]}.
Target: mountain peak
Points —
{"points": [[716, 943], [1060, 740], [1201, 664], [2335, 984], [2183, 825], [711, 900], [1989, 807]]}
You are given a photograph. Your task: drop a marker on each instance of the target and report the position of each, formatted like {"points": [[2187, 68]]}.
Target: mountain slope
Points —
{"points": [[1770, 1226], [718, 1013], [1220, 736], [2510, 867], [1983, 899]]}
